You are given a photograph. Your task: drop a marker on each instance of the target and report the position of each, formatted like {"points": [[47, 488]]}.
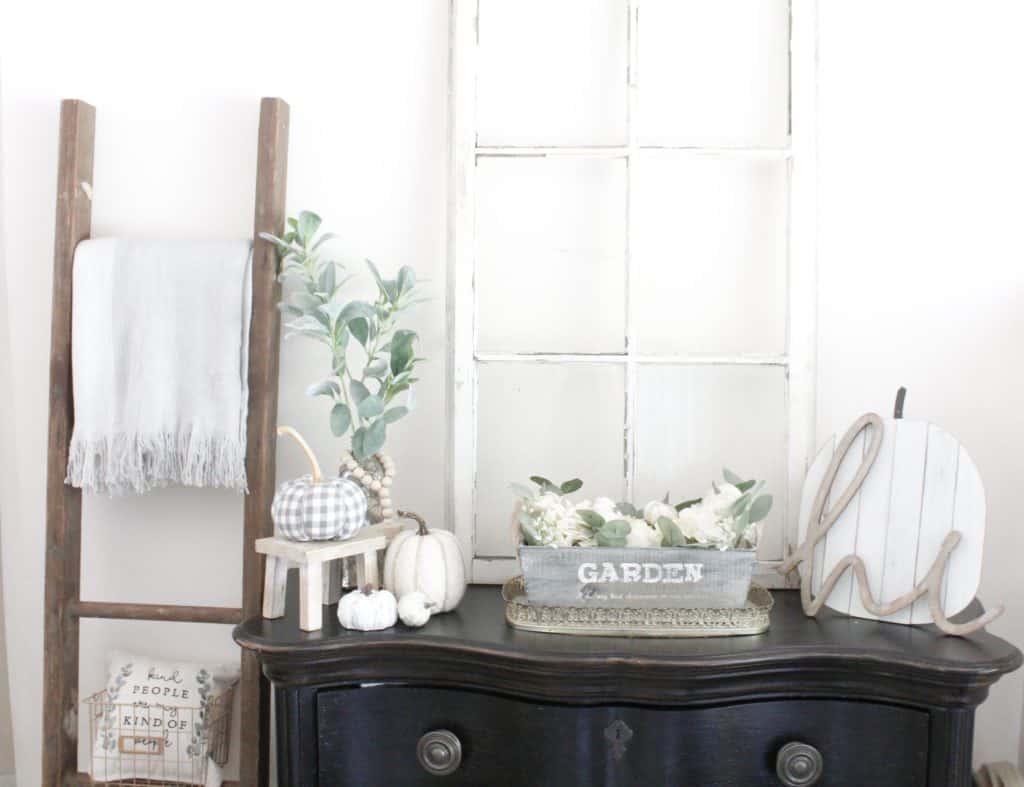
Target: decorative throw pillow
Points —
{"points": [[155, 720]]}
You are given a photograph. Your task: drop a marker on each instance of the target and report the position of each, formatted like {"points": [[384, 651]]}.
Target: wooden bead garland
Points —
{"points": [[376, 488]]}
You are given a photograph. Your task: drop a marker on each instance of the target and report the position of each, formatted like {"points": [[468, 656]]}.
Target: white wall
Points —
{"points": [[920, 280], [177, 92], [921, 266]]}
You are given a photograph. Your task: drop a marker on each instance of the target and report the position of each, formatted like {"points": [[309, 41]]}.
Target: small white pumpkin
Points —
{"points": [[428, 561], [414, 609], [368, 610]]}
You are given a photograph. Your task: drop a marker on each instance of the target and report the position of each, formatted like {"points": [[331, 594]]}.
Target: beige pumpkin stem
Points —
{"points": [[422, 531], [315, 465]]}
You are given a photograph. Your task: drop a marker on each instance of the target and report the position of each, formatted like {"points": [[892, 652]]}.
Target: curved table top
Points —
{"points": [[474, 646]]}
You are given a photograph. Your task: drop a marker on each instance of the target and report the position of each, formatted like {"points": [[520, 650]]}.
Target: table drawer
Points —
{"points": [[383, 735]]}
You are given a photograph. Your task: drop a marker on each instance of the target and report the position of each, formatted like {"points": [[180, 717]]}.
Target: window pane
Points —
{"points": [[559, 421], [550, 267], [708, 249], [713, 73], [552, 73], [695, 420]]}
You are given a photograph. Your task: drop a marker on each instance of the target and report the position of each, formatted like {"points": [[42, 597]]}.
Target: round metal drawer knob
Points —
{"points": [[799, 765], [439, 752]]}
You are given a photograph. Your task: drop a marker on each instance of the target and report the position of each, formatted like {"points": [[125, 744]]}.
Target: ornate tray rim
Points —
{"points": [[753, 618]]}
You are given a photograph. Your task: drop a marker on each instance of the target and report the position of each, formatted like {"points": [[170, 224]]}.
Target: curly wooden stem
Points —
{"points": [[287, 430], [422, 531]]}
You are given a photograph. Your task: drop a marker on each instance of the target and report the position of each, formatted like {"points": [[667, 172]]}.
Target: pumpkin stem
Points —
{"points": [[422, 530], [317, 477], [367, 589]]}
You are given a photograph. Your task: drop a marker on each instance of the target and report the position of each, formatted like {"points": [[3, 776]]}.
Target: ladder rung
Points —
{"points": [[182, 614]]}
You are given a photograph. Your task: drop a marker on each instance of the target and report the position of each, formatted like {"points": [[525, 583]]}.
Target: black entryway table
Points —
{"points": [[467, 700]]}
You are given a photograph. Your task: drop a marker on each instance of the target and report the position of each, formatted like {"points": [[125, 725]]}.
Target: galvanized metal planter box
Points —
{"points": [[637, 577]]}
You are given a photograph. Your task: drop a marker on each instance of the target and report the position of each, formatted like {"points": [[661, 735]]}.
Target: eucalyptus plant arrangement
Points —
{"points": [[726, 517], [372, 359]]}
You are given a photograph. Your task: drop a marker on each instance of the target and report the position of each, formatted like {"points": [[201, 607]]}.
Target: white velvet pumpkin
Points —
{"points": [[428, 561], [368, 610]]}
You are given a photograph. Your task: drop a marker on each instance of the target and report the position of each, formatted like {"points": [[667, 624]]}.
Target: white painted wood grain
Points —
{"points": [[461, 454], [906, 493], [922, 485], [874, 511], [936, 509], [964, 573]]}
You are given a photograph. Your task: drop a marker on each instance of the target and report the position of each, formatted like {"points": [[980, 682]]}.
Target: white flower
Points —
{"points": [[642, 534], [603, 506], [720, 500], [702, 524], [654, 510]]}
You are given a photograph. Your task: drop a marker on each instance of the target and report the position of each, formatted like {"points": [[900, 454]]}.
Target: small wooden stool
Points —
{"points": [[320, 570]]}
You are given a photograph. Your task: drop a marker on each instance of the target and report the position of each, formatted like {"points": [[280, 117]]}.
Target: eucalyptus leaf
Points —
{"points": [[324, 388], [309, 223], [377, 368], [306, 301], [375, 436], [627, 509], [520, 490], [731, 477], [376, 274], [530, 537], [591, 519], [746, 486], [371, 406], [760, 507], [671, 533], [401, 350], [360, 328], [406, 279], [358, 391], [613, 533], [392, 415], [327, 277], [354, 309], [341, 419], [570, 486], [687, 503], [358, 442]]}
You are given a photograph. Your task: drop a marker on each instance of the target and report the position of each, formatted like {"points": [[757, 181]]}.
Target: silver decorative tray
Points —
{"points": [[753, 618]]}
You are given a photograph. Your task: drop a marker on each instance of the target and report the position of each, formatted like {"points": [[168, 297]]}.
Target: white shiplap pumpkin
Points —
{"points": [[428, 561]]}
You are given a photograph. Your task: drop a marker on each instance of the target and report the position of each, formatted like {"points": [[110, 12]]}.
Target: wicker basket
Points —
{"points": [[156, 744]]}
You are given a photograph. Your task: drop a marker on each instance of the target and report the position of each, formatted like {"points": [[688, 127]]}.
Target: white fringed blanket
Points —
{"points": [[160, 339]]}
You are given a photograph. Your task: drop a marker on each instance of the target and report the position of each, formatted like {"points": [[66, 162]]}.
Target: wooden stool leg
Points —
{"points": [[332, 581], [311, 595], [275, 584]]}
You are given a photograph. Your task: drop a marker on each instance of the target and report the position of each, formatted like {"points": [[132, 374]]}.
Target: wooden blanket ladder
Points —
{"points": [[64, 606]]}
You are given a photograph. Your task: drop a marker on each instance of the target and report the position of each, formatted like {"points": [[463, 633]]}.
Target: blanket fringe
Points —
{"points": [[131, 463]]}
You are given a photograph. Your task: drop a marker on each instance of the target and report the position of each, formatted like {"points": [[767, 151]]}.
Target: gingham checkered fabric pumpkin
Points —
{"points": [[312, 508], [308, 511]]}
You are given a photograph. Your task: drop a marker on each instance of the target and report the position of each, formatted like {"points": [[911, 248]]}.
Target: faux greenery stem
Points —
{"points": [[319, 311]]}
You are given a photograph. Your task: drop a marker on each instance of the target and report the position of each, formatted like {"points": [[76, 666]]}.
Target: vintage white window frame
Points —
{"points": [[799, 360]]}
